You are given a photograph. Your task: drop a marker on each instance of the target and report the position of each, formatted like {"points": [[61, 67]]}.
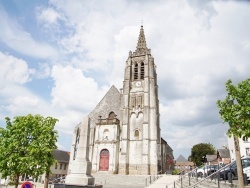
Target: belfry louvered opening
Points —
{"points": [[142, 71], [136, 72]]}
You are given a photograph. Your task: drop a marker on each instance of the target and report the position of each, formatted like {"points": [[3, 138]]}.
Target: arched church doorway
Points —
{"points": [[104, 160]]}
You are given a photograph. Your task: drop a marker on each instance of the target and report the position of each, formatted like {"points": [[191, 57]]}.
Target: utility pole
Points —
{"points": [[238, 162]]}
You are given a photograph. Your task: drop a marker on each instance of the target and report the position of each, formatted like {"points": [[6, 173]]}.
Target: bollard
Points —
{"points": [[229, 175], [189, 180], [181, 182], [245, 179], [218, 179]]}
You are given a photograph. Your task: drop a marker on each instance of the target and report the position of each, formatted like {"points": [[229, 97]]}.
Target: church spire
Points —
{"points": [[141, 48], [141, 44]]}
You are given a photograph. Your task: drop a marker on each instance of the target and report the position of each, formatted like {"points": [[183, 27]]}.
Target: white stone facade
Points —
{"points": [[244, 147], [124, 126]]}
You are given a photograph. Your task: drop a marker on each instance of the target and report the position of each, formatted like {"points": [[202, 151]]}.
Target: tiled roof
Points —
{"points": [[61, 156]]}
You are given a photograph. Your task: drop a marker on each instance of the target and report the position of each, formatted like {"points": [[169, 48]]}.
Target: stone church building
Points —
{"points": [[125, 133]]}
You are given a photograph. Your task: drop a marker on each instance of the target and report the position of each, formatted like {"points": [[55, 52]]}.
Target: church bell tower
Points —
{"points": [[140, 137]]}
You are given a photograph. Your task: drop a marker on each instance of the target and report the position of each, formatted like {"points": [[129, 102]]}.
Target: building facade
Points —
{"points": [[183, 164], [167, 158], [60, 168], [124, 126], [223, 156], [244, 145]]}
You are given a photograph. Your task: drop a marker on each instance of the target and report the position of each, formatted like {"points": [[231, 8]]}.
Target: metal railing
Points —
{"points": [[214, 176], [182, 175], [218, 174], [152, 178]]}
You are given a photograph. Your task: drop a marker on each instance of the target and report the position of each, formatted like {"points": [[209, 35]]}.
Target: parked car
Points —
{"points": [[54, 180], [51, 180], [30, 180], [247, 172], [206, 170], [62, 179], [224, 174]]}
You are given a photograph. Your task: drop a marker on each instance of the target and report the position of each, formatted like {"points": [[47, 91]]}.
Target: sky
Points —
{"points": [[59, 58]]}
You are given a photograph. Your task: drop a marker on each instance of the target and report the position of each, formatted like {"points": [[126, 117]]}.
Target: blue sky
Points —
{"points": [[59, 58]]}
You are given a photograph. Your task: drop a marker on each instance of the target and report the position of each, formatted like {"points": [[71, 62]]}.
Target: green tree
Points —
{"points": [[199, 152], [26, 146], [235, 110]]}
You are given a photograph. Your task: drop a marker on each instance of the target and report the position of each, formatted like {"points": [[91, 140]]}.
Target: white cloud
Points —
{"points": [[72, 90], [74, 94], [13, 70], [42, 71], [13, 35], [48, 15], [21, 101], [61, 147]]}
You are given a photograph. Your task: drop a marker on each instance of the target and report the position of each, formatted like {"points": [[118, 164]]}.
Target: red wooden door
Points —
{"points": [[104, 160]]}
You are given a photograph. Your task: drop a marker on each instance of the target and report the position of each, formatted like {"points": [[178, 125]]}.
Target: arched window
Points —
{"points": [[104, 152], [137, 134], [136, 72], [142, 71], [111, 115]]}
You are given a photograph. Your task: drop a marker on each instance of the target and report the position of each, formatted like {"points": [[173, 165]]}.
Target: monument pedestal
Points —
{"points": [[80, 176], [80, 179]]}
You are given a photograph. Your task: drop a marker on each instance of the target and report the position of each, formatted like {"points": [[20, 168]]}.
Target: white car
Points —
{"points": [[206, 170], [247, 172]]}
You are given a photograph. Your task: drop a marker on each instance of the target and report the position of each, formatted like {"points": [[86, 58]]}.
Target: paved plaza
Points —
{"points": [[163, 181], [159, 183]]}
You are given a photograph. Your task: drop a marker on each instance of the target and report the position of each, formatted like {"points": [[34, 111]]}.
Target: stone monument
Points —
{"points": [[80, 175]]}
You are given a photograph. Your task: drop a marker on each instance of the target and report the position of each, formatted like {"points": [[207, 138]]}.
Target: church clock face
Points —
{"points": [[138, 84]]}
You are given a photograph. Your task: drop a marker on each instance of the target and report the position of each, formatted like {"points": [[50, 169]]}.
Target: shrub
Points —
{"points": [[176, 172]]}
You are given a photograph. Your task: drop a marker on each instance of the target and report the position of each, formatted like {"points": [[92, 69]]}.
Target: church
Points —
{"points": [[125, 135]]}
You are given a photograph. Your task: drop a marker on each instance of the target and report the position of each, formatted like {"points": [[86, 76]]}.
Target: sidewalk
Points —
{"points": [[163, 181]]}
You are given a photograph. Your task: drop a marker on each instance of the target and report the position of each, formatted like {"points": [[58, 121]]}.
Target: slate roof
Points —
{"points": [[111, 102], [181, 159], [211, 158], [61, 156], [224, 153]]}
